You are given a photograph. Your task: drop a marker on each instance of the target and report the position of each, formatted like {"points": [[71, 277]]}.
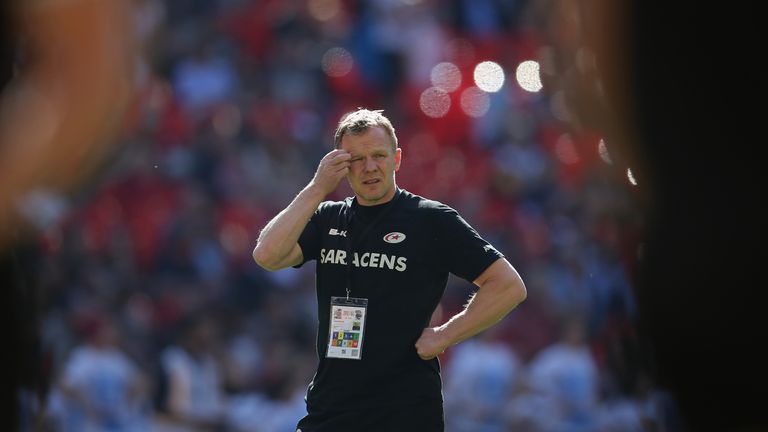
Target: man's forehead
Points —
{"points": [[371, 138]]}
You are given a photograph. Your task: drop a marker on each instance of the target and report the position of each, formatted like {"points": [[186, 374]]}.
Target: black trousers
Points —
{"points": [[424, 416]]}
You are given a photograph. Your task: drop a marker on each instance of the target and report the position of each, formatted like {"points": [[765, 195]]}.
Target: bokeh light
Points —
{"points": [[602, 150], [446, 76], [475, 102], [337, 62], [489, 76], [631, 177], [435, 102], [528, 76]]}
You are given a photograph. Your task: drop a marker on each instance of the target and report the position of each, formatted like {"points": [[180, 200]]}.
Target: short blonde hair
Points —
{"points": [[357, 122]]}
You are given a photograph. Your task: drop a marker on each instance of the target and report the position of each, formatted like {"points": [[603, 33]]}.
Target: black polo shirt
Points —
{"points": [[401, 254]]}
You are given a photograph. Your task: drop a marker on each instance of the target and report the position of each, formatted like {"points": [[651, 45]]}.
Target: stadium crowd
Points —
{"points": [[155, 316]]}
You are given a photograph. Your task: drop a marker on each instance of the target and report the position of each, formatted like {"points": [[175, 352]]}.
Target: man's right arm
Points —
{"points": [[277, 246]]}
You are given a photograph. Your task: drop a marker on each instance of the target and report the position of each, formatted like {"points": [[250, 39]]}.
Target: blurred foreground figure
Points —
{"points": [[69, 65], [672, 88], [66, 70]]}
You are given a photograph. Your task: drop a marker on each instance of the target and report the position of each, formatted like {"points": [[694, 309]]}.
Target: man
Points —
{"points": [[384, 257]]}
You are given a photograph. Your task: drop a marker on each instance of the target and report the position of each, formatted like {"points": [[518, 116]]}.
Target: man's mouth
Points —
{"points": [[371, 181]]}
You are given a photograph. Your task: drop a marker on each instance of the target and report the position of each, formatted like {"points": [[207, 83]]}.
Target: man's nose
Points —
{"points": [[370, 164]]}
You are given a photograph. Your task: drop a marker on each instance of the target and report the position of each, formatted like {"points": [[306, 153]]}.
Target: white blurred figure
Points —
{"points": [[277, 402], [204, 79], [193, 397], [564, 377], [621, 415], [255, 412], [480, 379], [648, 409], [101, 389]]}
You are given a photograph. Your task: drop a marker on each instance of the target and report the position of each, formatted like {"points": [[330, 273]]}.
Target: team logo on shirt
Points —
{"points": [[394, 237]]}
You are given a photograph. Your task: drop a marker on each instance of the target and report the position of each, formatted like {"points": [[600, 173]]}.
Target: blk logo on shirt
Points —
{"points": [[335, 232]]}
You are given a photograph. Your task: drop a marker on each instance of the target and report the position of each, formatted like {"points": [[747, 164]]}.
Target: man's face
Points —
{"points": [[372, 166]]}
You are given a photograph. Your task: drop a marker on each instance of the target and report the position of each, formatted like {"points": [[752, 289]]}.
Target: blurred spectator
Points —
{"points": [[279, 400], [480, 378], [191, 391], [204, 79], [101, 389], [565, 376], [647, 409]]}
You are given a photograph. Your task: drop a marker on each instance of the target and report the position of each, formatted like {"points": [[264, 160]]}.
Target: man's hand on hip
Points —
{"points": [[431, 343]]}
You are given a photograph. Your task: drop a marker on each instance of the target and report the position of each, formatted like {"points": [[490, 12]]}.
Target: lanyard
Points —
{"points": [[351, 246]]}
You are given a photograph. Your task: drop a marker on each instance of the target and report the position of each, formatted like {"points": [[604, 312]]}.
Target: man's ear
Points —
{"points": [[398, 156]]}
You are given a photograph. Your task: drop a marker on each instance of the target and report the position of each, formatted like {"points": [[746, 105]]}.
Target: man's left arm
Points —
{"points": [[500, 290]]}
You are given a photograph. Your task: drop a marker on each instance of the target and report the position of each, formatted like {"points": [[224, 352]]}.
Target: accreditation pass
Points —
{"points": [[347, 327]]}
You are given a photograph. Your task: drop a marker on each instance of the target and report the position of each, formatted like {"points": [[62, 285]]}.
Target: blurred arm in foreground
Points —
{"points": [[72, 67], [66, 72]]}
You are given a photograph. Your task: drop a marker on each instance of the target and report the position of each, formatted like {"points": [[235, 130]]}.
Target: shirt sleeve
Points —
{"points": [[309, 240], [463, 251]]}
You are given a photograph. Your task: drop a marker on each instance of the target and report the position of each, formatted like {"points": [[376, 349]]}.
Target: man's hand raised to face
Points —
{"points": [[332, 168]]}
